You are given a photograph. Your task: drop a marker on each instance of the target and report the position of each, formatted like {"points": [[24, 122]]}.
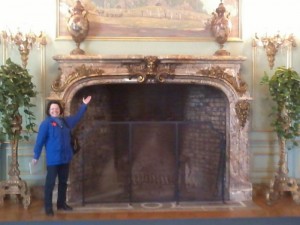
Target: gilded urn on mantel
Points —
{"points": [[78, 27], [221, 28]]}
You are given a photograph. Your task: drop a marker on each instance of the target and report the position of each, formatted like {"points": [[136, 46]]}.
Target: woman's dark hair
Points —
{"points": [[54, 102]]}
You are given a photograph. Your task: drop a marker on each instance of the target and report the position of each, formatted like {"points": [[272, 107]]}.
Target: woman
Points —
{"points": [[54, 133]]}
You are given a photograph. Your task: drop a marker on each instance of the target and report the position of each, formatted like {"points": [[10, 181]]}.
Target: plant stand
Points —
{"points": [[282, 182], [15, 185]]}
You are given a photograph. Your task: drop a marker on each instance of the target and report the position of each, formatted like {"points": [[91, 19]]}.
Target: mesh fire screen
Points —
{"points": [[151, 142]]}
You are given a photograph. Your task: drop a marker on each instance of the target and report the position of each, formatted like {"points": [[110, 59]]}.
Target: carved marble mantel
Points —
{"points": [[79, 71]]}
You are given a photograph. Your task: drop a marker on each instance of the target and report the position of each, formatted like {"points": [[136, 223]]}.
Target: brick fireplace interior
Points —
{"points": [[151, 142]]}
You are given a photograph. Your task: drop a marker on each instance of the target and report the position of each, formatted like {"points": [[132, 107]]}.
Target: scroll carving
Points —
{"points": [[79, 73], [219, 73], [242, 109], [151, 70]]}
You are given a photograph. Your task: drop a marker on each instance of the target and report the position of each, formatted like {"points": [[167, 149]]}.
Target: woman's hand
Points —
{"points": [[87, 100], [34, 161]]}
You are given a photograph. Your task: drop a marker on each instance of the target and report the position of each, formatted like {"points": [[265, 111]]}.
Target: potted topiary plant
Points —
{"points": [[16, 90], [284, 88]]}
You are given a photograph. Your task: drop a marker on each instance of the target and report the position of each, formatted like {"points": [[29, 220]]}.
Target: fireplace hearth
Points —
{"points": [[159, 128]]}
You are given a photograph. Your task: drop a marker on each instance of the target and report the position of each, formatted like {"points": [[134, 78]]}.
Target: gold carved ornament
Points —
{"points": [[272, 44], [242, 109], [219, 73], [79, 73], [148, 70]]}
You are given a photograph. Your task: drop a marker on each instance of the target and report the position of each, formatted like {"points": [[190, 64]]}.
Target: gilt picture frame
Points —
{"points": [[149, 20]]}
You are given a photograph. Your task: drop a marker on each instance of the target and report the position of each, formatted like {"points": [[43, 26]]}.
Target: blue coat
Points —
{"points": [[57, 138]]}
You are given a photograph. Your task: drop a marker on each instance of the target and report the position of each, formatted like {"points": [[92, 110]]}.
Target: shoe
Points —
{"points": [[49, 212], [64, 207]]}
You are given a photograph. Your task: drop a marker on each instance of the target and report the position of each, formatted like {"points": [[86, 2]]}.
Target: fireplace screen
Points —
{"points": [[151, 143]]}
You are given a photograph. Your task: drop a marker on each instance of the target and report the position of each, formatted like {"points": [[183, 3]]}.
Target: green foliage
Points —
{"points": [[16, 90], [284, 88]]}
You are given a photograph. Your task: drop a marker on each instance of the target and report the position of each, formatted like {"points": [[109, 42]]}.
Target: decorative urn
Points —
{"points": [[78, 27], [221, 28]]}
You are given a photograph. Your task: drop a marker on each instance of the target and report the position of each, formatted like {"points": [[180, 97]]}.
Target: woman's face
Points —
{"points": [[54, 110]]}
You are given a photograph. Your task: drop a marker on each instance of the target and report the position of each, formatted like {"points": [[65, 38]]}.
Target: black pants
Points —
{"points": [[62, 172]]}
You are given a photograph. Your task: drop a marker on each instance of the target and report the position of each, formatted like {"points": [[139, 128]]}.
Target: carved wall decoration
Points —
{"points": [[242, 108], [150, 70], [79, 73], [220, 73]]}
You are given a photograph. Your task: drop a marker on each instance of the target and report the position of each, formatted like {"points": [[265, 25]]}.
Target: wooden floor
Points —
{"points": [[13, 210]]}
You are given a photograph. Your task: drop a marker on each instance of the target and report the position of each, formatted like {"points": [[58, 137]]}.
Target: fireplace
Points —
{"points": [[159, 128]]}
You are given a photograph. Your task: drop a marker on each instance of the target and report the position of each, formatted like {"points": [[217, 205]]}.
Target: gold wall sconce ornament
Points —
{"points": [[221, 28], [78, 27], [272, 44], [24, 41]]}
